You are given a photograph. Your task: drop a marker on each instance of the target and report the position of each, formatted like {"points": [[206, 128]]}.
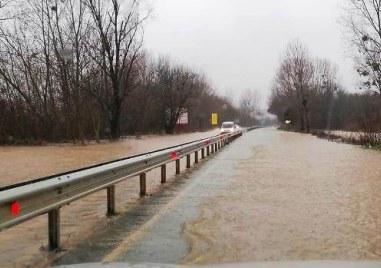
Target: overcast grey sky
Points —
{"points": [[238, 43]]}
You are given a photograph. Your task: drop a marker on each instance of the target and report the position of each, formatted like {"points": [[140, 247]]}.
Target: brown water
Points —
{"points": [[295, 198], [27, 162], [26, 243]]}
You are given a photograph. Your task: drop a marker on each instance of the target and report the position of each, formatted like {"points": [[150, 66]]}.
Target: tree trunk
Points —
{"points": [[114, 126]]}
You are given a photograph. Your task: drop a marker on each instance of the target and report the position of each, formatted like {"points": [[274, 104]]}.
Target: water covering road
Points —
{"points": [[269, 196], [20, 163]]}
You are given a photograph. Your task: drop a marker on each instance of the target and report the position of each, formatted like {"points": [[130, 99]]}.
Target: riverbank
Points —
{"points": [[368, 140]]}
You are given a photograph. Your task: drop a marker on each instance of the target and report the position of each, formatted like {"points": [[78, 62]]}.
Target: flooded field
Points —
{"points": [[20, 163], [295, 198], [25, 244]]}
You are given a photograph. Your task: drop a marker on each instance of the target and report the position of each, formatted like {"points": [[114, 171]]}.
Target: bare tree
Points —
{"points": [[294, 78], [293, 82], [249, 102], [304, 92], [115, 50], [8, 10], [44, 60], [362, 20], [325, 75], [68, 29], [24, 72], [175, 85]]}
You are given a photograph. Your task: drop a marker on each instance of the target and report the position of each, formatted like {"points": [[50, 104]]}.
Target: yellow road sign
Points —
{"points": [[214, 119]]}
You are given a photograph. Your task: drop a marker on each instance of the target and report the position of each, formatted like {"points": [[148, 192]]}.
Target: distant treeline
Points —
{"points": [[76, 69], [306, 95], [306, 92]]}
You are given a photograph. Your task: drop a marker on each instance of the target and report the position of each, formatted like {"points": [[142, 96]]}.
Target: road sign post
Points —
{"points": [[214, 119]]}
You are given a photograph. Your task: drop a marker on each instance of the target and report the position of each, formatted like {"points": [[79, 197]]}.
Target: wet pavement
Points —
{"points": [[269, 196]]}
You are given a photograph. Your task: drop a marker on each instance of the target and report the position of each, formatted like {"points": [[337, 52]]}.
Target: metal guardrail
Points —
{"points": [[252, 128], [22, 202]]}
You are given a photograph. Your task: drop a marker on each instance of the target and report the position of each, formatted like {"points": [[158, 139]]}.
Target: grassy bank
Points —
{"points": [[368, 140]]}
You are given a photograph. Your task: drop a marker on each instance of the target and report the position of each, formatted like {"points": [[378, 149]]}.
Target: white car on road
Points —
{"points": [[228, 127]]}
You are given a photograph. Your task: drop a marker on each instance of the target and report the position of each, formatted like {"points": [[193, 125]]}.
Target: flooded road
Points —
{"points": [[270, 196], [294, 198], [21, 163]]}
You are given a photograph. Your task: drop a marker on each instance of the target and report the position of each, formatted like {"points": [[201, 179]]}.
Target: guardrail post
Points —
{"points": [[143, 184], [163, 174], [196, 157], [54, 229], [215, 147], [207, 151], [177, 166], [188, 161], [111, 200], [212, 148], [219, 145], [202, 153]]}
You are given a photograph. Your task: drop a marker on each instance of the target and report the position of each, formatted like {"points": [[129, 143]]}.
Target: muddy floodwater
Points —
{"points": [[20, 163], [25, 244], [295, 197], [269, 196]]}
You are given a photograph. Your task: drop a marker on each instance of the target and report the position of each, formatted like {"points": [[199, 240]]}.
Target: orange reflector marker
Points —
{"points": [[173, 155], [14, 208]]}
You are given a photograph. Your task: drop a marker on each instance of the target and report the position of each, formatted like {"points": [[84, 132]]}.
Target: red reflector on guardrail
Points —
{"points": [[14, 208], [207, 143], [173, 155]]}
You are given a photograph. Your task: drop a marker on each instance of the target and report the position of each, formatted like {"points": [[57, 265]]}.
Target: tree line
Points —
{"points": [[77, 70], [306, 93]]}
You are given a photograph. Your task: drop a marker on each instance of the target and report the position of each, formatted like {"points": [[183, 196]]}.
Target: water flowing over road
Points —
{"points": [[293, 198], [269, 196]]}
